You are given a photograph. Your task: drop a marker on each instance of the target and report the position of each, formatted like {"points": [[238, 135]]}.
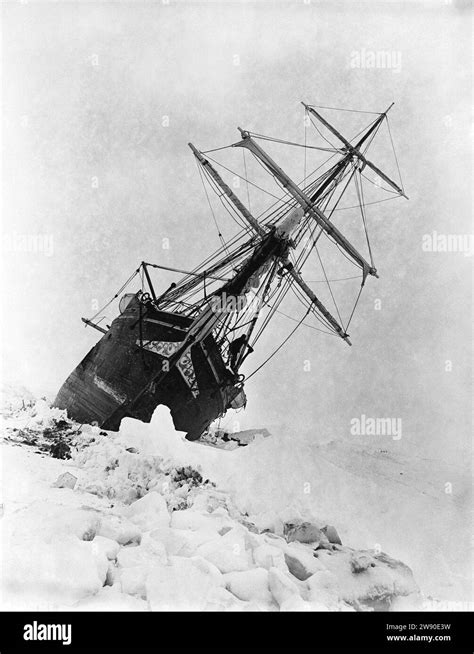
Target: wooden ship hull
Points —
{"points": [[137, 365]]}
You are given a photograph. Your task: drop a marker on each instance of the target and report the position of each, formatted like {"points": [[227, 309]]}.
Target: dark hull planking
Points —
{"points": [[126, 374]]}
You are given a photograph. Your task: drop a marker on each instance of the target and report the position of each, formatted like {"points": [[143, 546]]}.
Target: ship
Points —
{"points": [[187, 346]]}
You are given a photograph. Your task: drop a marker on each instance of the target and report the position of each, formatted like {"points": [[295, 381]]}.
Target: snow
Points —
{"points": [[228, 552], [13, 398], [250, 585], [357, 487], [39, 575], [111, 599], [323, 588], [301, 563], [156, 523], [149, 512], [190, 519], [371, 580], [106, 546], [119, 529], [281, 586], [132, 580], [180, 542], [142, 555], [183, 585], [267, 556], [306, 533]]}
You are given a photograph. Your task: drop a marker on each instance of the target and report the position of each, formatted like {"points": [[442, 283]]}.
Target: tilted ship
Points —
{"points": [[185, 347]]}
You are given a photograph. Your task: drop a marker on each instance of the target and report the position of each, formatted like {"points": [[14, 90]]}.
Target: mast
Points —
{"points": [[354, 150], [274, 246], [234, 199], [314, 299], [342, 163], [305, 201]]}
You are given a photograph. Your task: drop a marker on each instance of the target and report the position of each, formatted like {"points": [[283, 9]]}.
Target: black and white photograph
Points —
{"points": [[236, 370]]}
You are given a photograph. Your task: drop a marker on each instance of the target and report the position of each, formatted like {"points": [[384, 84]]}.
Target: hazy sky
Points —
{"points": [[99, 102]]}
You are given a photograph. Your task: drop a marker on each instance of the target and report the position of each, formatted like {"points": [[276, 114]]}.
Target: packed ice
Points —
{"points": [[142, 520]]}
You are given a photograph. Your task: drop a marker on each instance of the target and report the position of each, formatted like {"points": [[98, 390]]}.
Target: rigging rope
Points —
{"points": [[273, 139], [290, 200], [240, 176], [279, 347], [377, 185], [280, 292], [224, 147], [121, 289], [224, 199], [329, 285], [368, 204], [305, 301], [305, 128], [395, 154], [246, 178], [305, 324], [188, 289], [360, 195], [210, 207], [356, 111], [322, 135], [353, 309], [341, 279]]}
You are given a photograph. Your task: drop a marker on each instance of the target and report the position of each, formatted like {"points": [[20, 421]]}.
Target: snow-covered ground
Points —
{"points": [[146, 520]]}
